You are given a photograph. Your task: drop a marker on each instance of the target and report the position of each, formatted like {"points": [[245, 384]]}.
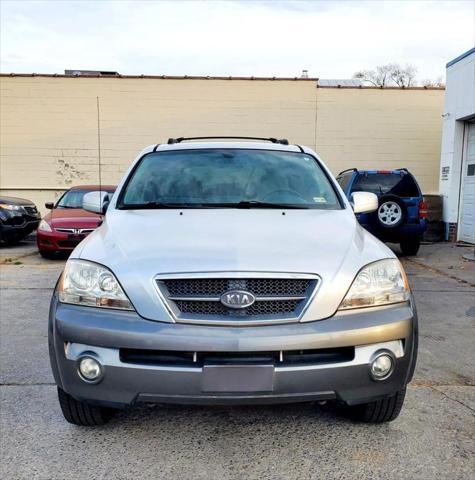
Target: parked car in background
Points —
{"points": [[401, 214], [67, 223], [18, 218]]}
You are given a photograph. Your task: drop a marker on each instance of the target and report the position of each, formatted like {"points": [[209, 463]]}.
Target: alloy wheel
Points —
{"points": [[389, 214]]}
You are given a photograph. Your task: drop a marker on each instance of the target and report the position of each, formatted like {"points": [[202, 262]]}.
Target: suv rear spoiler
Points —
{"points": [[356, 170], [347, 170]]}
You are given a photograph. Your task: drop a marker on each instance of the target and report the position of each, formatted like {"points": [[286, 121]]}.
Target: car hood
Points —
{"points": [[16, 201], [138, 245], [72, 217]]}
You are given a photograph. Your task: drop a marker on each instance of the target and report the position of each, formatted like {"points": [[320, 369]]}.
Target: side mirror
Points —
{"points": [[49, 205], [96, 202], [364, 202]]}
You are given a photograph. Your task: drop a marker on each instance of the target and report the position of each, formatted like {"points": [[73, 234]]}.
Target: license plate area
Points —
{"points": [[238, 378], [76, 237]]}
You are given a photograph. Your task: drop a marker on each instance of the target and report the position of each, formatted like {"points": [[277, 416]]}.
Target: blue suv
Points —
{"points": [[401, 214]]}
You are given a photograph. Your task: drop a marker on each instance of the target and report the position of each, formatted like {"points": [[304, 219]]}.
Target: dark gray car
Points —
{"points": [[18, 218]]}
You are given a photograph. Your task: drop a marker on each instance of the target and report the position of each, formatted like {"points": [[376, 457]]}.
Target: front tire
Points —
{"points": [[12, 240], [410, 247], [379, 411], [81, 413]]}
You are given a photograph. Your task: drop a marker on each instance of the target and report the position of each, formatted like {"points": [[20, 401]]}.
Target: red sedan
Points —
{"points": [[67, 223]]}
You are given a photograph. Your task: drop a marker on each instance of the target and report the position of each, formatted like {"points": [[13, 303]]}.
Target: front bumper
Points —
{"points": [[19, 226], [75, 331], [57, 241]]}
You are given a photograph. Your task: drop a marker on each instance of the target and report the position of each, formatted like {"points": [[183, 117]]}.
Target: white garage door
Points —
{"points": [[467, 204]]}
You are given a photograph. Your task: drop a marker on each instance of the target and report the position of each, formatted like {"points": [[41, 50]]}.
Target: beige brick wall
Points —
{"points": [[48, 125]]}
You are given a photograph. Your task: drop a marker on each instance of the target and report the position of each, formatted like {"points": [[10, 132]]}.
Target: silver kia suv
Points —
{"points": [[231, 273]]}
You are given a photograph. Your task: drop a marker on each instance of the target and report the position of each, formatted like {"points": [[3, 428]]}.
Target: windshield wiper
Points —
{"points": [[241, 204], [156, 206], [259, 204], [255, 204]]}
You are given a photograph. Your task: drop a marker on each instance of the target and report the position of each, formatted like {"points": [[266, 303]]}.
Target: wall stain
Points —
{"points": [[66, 171]]}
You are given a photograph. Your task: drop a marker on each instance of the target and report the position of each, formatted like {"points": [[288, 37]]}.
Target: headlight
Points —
{"points": [[14, 208], [44, 226], [87, 283], [379, 283]]}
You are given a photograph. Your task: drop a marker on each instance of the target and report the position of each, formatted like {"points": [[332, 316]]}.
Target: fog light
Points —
{"points": [[90, 369], [382, 366]]}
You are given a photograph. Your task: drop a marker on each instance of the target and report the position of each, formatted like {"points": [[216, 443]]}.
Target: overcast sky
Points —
{"points": [[332, 39]]}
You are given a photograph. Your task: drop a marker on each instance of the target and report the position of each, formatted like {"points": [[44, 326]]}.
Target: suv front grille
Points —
{"points": [[217, 286], [199, 299], [267, 307]]}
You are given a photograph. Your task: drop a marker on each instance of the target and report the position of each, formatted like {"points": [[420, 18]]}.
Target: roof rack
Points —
{"points": [[348, 170], [282, 141]]}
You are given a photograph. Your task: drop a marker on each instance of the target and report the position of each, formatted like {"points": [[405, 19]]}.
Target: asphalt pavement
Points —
{"points": [[432, 438]]}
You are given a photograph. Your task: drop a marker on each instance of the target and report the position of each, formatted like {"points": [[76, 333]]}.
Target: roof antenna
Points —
{"points": [[99, 153]]}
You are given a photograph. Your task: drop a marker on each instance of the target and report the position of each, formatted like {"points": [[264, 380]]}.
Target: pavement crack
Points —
{"points": [[27, 288], [438, 271], [453, 399], [15, 384], [441, 291], [430, 384]]}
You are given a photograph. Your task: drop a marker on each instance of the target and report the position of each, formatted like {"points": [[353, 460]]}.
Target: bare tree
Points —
{"points": [[403, 76], [390, 74], [438, 82], [379, 77]]}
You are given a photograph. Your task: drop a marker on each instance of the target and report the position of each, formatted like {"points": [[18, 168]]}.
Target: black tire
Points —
{"points": [[410, 246], [12, 240], [391, 200], [81, 413], [47, 254], [379, 411]]}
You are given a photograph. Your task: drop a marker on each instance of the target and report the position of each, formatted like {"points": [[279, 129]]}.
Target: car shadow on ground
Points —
{"points": [[244, 415]]}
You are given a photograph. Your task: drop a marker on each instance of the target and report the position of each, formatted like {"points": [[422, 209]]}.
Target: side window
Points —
{"points": [[344, 180]]}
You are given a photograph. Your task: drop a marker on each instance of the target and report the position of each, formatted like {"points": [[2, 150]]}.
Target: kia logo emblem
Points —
{"points": [[237, 299]]}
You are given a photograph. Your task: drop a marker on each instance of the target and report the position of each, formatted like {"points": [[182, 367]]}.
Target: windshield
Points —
{"points": [[227, 178], [73, 198]]}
